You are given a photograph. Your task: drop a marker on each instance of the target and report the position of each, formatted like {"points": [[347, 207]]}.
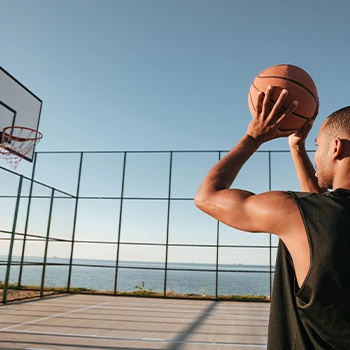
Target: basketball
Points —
{"points": [[300, 86]]}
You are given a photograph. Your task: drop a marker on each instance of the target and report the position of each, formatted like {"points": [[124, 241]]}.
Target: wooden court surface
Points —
{"points": [[107, 322]]}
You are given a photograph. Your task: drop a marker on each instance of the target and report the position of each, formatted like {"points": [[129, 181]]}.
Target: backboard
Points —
{"points": [[18, 106]]}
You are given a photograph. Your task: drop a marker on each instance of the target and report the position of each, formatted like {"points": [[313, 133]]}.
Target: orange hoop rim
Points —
{"points": [[9, 136]]}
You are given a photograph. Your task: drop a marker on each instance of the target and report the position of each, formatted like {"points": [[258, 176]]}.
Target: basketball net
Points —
{"points": [[17, 142]]}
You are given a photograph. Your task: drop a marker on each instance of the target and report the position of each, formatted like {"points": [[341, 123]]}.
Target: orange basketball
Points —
{"points": [[300, 87]]}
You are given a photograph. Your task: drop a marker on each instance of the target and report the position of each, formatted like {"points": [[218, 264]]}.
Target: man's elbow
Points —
{"points": [[198, 201], [201, 200]]}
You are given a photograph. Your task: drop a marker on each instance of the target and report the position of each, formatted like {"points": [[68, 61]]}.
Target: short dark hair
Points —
{"points": [[338, 122]]}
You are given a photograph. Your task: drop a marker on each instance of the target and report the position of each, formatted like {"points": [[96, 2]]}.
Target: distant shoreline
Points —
{"points": [[39, 259]]}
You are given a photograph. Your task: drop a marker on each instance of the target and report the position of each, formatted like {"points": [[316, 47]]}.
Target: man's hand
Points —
{"points": [[264, 125], [297, 140]]}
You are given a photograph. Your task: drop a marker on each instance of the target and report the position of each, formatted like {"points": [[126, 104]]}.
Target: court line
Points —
{"points": [[248, 313], [260, 317], [50, 317], [154, 340], [216, 316]]}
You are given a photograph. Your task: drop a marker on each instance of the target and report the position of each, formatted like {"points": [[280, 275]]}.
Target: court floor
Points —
{"points": [[107, 322]]}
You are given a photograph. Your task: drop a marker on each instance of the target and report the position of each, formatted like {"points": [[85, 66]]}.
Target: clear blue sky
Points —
{"points": [[153, 74], [166, 75]]}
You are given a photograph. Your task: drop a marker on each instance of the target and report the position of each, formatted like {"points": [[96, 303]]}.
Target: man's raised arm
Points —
{"points": [[303, 166], [239, 208]]}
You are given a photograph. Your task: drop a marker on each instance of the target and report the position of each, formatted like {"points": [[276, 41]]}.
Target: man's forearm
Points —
{"points": [[305, 170], [222, 175]]}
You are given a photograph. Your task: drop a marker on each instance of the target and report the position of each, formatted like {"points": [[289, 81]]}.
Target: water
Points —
{"points": [[90, 274]]}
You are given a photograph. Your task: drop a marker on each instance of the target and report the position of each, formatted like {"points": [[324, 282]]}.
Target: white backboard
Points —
{"points": [[18, 106]]}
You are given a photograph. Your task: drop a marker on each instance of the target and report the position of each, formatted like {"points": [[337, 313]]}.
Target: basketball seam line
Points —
{"points": [[284, 108], [293, 81]]}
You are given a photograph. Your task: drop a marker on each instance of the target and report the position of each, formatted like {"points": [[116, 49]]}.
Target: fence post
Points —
{"points": [[9, 260], [119, 227], [217, 252], [47, 244], [270, 235], [27, 221], [167, 226], [74, 223]]}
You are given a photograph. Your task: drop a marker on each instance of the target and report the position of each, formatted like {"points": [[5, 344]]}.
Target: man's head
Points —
{"points": [[338, 123], [333, 143]]}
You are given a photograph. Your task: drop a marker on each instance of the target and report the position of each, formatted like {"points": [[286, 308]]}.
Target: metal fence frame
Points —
{"points": [[26, 236]]}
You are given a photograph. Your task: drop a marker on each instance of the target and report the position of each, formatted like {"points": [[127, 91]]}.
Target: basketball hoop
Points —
{"points": [[17, 142]]}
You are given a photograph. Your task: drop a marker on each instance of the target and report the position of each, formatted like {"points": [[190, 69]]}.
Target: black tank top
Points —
{"points": [[316, 315]]}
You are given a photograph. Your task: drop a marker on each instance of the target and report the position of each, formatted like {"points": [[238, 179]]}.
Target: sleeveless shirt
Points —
{"points": [[316, 315]]}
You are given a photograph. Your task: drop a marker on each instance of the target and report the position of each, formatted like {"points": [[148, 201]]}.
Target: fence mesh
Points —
{"points": [[125, 223]]}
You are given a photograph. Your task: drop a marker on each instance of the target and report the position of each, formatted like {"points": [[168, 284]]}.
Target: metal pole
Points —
{"points": [[9, 260], [119, 227], [74, 223], [167, 226], [46, 244], [27, 222], [217, 253], [270, 236]]}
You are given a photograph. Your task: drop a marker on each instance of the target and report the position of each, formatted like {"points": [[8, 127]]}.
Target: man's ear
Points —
{"points": [[337, 148]]}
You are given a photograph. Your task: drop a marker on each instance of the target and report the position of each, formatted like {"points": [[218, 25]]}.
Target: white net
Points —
{"points": [[17, 142]]}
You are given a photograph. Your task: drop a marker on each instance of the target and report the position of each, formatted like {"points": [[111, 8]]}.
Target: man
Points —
{"points": [[310, 305]]}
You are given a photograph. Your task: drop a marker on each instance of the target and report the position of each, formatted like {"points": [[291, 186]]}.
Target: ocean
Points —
{"points": [[132, 275]]}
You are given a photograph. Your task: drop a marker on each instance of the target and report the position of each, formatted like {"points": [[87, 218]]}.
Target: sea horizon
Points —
{"points": [[180, 277], [35, 258]]}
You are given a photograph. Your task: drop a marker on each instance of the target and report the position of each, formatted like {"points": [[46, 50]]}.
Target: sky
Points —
{"points": [[150, 75]]}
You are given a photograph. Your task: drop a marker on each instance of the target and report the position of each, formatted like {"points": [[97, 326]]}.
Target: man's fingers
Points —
{"points": [[287, 112], [266, 102], [307, 126], [304, 131], [279, 103], [259, 103], [284, 133]]}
